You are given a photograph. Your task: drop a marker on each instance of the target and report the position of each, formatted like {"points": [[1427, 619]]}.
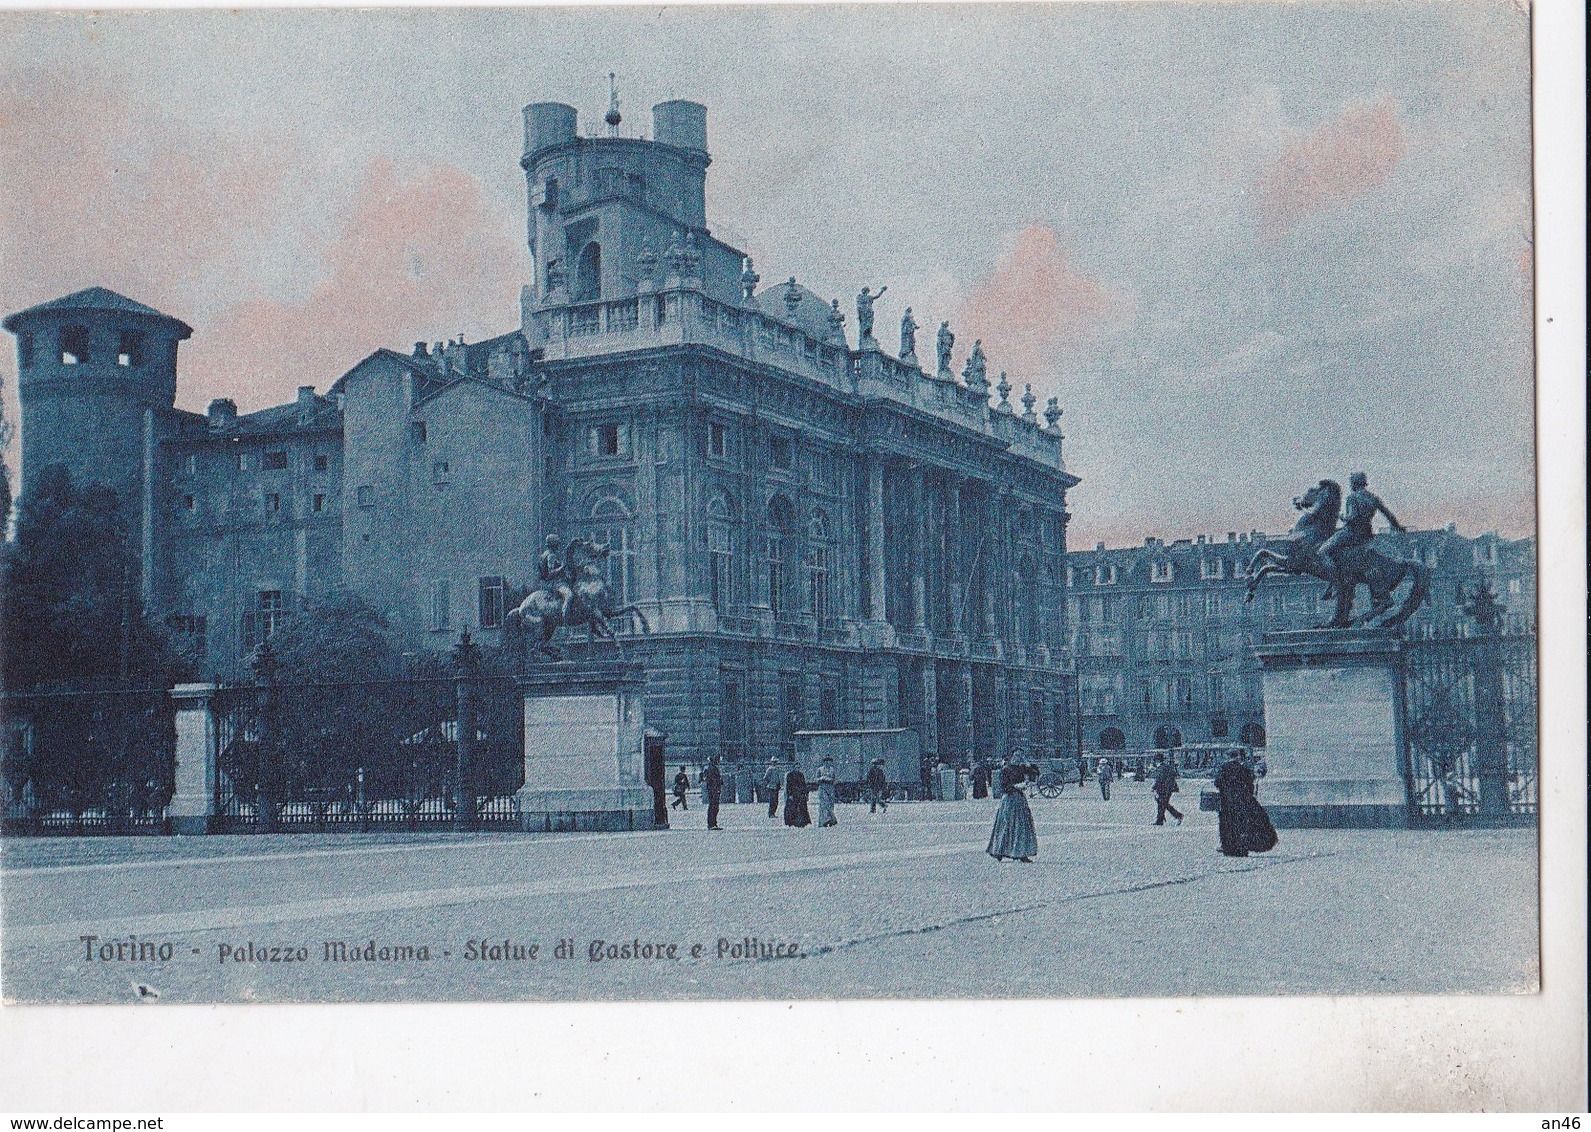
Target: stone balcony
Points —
{"points": [[679, 313]]}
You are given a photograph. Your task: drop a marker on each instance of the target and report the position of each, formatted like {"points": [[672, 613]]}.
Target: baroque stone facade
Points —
{"points": [[821, 536], [1165, 642]]}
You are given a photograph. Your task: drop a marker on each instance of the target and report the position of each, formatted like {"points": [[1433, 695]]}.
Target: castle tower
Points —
{"points": [[604, 211], [97, 380]]}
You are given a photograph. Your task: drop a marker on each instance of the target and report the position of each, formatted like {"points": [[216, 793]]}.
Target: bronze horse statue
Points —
{"points": [[593, 606], [1359, 565]]}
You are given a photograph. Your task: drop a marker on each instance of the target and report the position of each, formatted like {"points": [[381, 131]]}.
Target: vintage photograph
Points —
{"points": [[906, 502]]}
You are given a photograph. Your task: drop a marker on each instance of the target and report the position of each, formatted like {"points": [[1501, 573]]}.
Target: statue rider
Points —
{"points": [[1358, 510], [554, 573]]}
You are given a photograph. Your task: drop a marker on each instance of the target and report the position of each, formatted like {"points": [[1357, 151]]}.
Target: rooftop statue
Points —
{"points": [[571, 591], [945, 342], [1353, 560], [748, 281], [836, 322], [908, 338], [864, 311], [976, 371]]}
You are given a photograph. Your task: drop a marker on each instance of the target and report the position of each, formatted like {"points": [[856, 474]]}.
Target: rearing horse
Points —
{"points": [[1361, 564], [593, 606]]}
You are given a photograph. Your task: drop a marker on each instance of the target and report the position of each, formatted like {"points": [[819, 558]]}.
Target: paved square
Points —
{"points": [[899, 904]]}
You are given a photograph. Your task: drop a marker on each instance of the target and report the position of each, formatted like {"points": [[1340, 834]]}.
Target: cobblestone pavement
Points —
{"points": [[899, 904]]}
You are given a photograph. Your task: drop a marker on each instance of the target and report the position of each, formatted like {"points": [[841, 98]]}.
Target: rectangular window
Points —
{"points": [[1185, 643], [417, 431], [1160, 571], [322, 461], [722, 560], [1105, 575], [1514, 587], [440, 471], [1071, 575], [1184, 691], [273, 462], [317, 502], [1163, 606], [1212, 605], [718, 440], [243, 461], [273, 503], [74, 345], [1146, 609], [1212, 568], [491, 602], [440, 615], [829, 704], [1217, 691], [608, 441], [188, 503], [190, 464], [272, 608], [1184, 605], [366, 495], [781, 453], [130, 351]]}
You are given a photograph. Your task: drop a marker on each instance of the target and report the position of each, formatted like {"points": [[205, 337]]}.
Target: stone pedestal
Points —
{"points": [[193, 794], [1334, 729], [585, 727]]}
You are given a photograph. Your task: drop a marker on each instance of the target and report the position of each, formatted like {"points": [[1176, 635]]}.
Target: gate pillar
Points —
{"points": [[1334, 729], [193, 794]]}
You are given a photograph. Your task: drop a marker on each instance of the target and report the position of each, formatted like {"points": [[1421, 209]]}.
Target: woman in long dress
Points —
{"points": [[1244, 825], [1014, 835], [795, 799], [826, 778]]}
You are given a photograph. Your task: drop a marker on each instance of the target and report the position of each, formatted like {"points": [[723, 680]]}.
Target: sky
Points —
{"points": [[1248, 246]]}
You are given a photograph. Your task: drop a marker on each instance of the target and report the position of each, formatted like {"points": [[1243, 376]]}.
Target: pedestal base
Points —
{"points": [[584, 734], [1334, 723]]}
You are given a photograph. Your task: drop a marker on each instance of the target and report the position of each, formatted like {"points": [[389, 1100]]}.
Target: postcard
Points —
{"points": [[779, 503]]}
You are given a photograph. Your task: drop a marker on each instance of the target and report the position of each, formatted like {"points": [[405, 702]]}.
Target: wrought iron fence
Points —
{"points": [[1470, 728], [359, 755], [87, 762]]}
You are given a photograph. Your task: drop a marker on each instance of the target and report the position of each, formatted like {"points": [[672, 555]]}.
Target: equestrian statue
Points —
{"points": [[1344, 557], [572, 590]]}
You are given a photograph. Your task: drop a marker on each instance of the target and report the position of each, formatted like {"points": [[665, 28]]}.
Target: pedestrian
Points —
{"points": [[826, 778], [682, 783], [980, 780], [795, 798], [1013, 834], [1244, 825], [877, 787], [713, 786], [772, 780], [1165, 786], [1107, 775]]}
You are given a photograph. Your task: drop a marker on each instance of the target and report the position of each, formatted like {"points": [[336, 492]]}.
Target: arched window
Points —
{"points": [[820, 568], [1167, 737], [588, 273], [611, 523], [1252, 735], [776, 553], [722, 536], [1025, 627], [1112, 739]]}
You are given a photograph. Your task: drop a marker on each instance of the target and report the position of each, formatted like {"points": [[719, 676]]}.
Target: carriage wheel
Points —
{"points": [[1051, 789]]}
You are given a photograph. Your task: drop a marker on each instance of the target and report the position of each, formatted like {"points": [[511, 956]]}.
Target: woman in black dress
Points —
{"points": [[1013, 835], [1244, 825], [795, 799]]}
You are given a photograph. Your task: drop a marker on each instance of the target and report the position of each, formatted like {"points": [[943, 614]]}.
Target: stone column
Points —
{"points": [[877, 609], [956, 586], [928, 681], [919, 529], [964, 736], [193, 796]]}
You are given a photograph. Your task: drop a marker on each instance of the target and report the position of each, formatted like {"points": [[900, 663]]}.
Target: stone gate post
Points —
{"points": [[193, 794]]}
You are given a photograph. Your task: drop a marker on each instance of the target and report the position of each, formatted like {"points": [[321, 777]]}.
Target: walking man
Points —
{"points": [[682, 784], [1165, 786], [772, 781], [713, 784], [877, 787], [1107, 775]]}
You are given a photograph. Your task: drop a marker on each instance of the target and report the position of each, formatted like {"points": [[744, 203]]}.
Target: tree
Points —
{"points": [[71, 625]]}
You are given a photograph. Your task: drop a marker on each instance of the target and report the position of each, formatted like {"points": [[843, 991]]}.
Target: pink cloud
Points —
{"points": [[1330, 166], [1035, 306], [422, 254], [96, 189]]}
